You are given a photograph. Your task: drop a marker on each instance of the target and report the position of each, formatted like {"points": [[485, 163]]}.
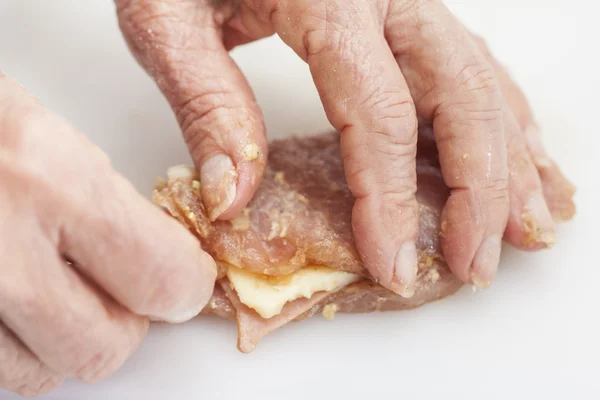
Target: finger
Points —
{"points": [[245, 26], [453, 85], [558, 190], [141, 257], [69, 325], [180, 45], [20, 370], [530, 225], [365, 97]]}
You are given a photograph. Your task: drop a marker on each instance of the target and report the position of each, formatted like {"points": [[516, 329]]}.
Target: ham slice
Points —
{"points": [[301, 216], [252, 327]]}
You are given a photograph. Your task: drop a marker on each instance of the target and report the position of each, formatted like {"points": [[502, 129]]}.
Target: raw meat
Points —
{"points": [[300, 216]]}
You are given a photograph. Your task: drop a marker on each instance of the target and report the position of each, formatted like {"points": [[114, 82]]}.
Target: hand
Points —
{"points": [[378, 65], [84, 258]]}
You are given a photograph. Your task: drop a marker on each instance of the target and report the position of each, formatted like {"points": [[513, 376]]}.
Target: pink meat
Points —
{"points": [[301, 215]]}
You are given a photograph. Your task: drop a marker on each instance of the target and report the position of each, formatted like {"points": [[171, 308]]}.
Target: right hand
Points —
{"points": [[84, 258], [378, 65]]}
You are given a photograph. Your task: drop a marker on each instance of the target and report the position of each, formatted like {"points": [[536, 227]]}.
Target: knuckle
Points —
{"points": [[160, 32], [330, 27], [21, 297], [394, 149], [358, 170], [515, 144], [391, 104], [320, 40], [205, 109], [494, 190], [522, 171], [479, 79], [100, 365], [402, 194], [38, 387], [404, 22], [410, 6], [209, 120], [394, 128], [19, 371]]}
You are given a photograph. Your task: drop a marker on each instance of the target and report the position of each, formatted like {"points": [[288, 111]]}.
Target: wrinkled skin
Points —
{"points": [[378, 65], [83, 257], [301, 215], [106, 254]]}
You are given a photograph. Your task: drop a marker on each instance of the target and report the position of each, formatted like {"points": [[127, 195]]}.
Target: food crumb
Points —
{"points": [[279, 177], [191, 216], [183, 172], [329, 311], [433, 275], [251, 152], [160, 184], [241, 223], [273, 233]]}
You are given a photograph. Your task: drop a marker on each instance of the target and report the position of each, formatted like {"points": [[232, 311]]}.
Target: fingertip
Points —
{"points": [[187, 300], [485, 263], [250, 165], [228, 184], [460, 236], [530, 224], [178, 276], [387, 244], [218, 178], [405, 270]]}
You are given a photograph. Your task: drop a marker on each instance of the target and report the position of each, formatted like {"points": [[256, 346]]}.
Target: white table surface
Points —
{"points": [[534, 334]]}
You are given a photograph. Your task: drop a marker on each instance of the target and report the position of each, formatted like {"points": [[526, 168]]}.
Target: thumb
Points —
{"points": [[179, 45]]}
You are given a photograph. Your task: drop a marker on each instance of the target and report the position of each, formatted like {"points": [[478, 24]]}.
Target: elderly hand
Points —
{"points": [[378, 66], [84, 257]]}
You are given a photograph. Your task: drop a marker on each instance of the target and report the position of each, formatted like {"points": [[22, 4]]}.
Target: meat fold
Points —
{"points": [[301, 216]]}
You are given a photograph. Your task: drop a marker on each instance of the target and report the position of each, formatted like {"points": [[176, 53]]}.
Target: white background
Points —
{"points": [[534, 334]]}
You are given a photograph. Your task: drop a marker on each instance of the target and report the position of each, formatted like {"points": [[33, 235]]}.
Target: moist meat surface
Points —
{"points": [[300, 216]]}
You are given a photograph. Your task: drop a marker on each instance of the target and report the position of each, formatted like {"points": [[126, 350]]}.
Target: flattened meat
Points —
{"points": [[301, 216]]}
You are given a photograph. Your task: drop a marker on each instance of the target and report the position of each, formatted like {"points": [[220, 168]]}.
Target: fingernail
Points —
{"points": [[218, 178], [538, 222], [182, 172], [534, 141], [485, 263], [405, 267], [176, 317]]}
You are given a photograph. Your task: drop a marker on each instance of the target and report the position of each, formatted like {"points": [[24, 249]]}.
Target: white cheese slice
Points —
{"points": [[268, 294]]}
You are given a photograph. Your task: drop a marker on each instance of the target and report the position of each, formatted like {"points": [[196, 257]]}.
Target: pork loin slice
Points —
{"points": [[301, 216], [301, 213]]}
